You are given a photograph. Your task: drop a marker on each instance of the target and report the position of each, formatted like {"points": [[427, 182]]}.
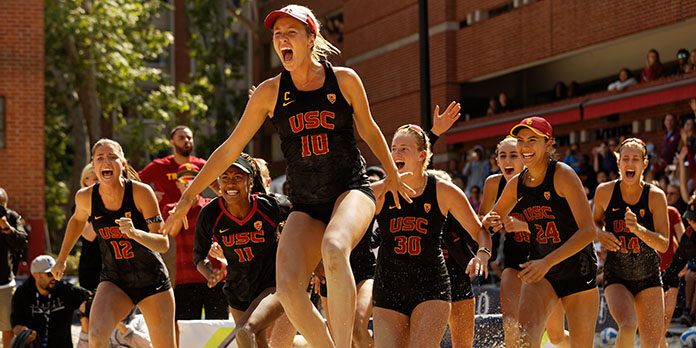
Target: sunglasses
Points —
{"points": [[185, 179]]}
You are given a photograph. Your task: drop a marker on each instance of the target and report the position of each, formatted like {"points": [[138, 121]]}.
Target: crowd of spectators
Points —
{"points": [[654, 69]]}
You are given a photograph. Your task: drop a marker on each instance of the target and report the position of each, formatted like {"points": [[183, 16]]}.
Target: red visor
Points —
{"points": [[294, 11]]}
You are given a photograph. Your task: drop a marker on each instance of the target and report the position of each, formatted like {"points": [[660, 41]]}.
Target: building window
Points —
{"points": [[2, 122]]}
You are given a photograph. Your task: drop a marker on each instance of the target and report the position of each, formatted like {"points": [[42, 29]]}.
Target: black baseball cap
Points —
{"points": [[244, 164]]}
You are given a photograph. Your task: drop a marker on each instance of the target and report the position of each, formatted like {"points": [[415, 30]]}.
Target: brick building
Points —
{"points": [[479, 48], [22, 111]]}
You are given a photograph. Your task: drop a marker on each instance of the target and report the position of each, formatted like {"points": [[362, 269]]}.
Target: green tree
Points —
{"points": [[219, 55], [98, 84]]}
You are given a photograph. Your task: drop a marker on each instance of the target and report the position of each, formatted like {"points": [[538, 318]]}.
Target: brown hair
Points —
{"points": [[422, 140], [128, 171]]}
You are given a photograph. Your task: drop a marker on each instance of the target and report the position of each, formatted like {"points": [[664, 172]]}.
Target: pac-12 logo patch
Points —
{"points": [[127, 214], [331, 97], [642, 213], [426, 206], [258, 225], [547, 195]]}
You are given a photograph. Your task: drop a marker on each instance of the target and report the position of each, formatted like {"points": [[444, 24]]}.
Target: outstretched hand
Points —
{"points": [[177, 218], [443, 122], [396, 185]]}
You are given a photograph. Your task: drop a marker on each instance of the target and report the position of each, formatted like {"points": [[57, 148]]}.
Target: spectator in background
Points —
{"points": [[492, 106], [692, 59], [559, 91], [573, 89], [687, 133], [572, 157], [587, 174], [674, 198], [503, 104], [476, 169], [669, 142], [192, 294], [12, 237], [493, 164], [604, 159], [653, 67], [161, 175], [601, 177], [46, 306], [625, 79], [455, 173], [90, 265], [475, 198], [684, 65]]}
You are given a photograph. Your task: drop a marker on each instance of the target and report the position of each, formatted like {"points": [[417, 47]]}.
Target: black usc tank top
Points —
{"points": [[317, 139]]}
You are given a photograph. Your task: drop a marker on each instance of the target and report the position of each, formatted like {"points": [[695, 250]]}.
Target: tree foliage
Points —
{"points": [[99, 84], [219, 55]]}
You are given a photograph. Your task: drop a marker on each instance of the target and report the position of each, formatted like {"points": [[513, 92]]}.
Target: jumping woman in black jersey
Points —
{"points": [[562, 263], [411, 291], [515, 250], [634, 216], [313, 107], [126, 218], [245, 226]]}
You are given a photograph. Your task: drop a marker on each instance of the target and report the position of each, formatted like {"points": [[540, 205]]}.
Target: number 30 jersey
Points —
{"points": [[249, 244], [635, 260], [414, 232], [125, 262], [317, 139]]}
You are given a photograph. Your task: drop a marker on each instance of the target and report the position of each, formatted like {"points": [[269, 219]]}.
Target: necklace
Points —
{"points": [[422, 187]]}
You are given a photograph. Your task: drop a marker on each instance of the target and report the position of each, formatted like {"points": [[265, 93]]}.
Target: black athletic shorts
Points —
{"points": [[514, 253], [192, 298], [323, 211], [634, 286], [360, 273], [460, 283], [569, 286], [138, 294], [401, 287], [242, 304]]}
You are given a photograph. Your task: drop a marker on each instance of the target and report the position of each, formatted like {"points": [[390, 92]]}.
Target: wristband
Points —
{"points": [[153, 219], [485, 250]]}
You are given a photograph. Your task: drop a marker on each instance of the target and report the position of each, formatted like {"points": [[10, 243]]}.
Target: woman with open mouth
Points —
{"points": [[245, 225], [515, 249], [126, 218], [411, 293], [633, 215], [313, 106], [562, 263]]}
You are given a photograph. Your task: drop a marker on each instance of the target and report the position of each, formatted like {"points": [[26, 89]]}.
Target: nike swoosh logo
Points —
{"points": [[519, 199], [98, 217], [615, 209], [392, 207], [225, 230], [285, 104]]}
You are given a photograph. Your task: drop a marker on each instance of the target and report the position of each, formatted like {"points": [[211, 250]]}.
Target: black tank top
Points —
{"points": [[249, 244], [413, 233], [125, 262], [521, 238], [635, 260], [551, 223], [317, 139]]}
